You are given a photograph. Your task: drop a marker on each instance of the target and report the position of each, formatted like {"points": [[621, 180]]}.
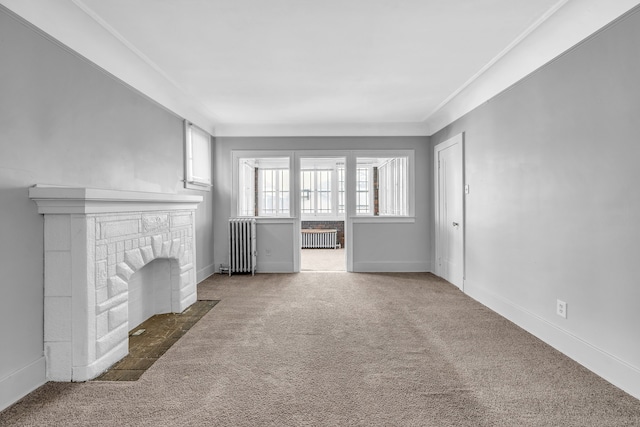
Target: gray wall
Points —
{"points": [[377, 247], [65, 122], [553, 207]]}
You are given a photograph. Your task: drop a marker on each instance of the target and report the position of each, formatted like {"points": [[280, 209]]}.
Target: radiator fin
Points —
{"points": [[242, 245], [319, 239]]}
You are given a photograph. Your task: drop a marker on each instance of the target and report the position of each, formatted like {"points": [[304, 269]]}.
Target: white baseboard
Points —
{"points": [[618, 372], [274, 267], [391, 267], [22, 382], [205, 272]]}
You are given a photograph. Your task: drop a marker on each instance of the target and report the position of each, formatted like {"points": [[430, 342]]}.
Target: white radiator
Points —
{"points": [[315, 239], [242, 245]]}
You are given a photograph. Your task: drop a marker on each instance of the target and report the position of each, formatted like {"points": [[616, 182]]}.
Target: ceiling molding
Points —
{"points": [[74, 27], [321, 129], [506, 50], [563, 27]]}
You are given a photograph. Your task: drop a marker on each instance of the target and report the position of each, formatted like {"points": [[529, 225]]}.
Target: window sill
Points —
{"points": [[383, 219], [197, 186]]}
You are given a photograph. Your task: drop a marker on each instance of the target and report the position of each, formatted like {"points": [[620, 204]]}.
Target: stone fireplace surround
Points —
{"points": [[94, 241]]}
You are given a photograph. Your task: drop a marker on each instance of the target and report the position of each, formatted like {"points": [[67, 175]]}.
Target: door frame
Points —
{"points": [[457, 139], [324, 154]]}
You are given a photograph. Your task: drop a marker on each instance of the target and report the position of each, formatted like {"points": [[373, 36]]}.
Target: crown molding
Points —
{"points": [[76, 28], [321, 129], [566, 25]]}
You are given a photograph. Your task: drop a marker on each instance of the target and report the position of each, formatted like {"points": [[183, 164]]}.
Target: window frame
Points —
{"points": [[278, 177], [351, 157], [236, 157], [409, 215], [194, 150], [394, 197], [369, 191], [314, 194], [341, 189]]}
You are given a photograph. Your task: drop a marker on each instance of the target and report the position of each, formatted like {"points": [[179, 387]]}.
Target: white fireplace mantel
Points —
{"points": [[53, 199], [95, 240]]}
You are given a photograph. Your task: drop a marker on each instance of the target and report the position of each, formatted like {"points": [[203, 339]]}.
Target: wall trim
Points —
{"points": [[274, 267], [564, 27], [391, 267], [618, 372], [205, 272], [15, 386], [322, 129]]}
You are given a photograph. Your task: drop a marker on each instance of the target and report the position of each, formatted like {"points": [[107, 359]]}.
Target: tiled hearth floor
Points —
{"points": [[160, 332]]}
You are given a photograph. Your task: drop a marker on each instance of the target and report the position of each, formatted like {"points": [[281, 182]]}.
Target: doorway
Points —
{"points": [[322, 202], [449, 210]]}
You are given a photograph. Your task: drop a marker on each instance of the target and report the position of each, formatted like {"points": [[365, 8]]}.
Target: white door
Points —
{"points": [[449, 201]]}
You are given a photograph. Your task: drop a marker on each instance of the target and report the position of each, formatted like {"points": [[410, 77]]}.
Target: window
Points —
{"points": [[197, 158], [341, 189], [382, 186], [316, 195], [363, 189], [322, 187], [273, 192], [263, 187], [247, 188], [392, 187]]}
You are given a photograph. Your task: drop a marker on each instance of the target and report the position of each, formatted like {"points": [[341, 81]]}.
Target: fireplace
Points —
{"points": [[94, 242]]}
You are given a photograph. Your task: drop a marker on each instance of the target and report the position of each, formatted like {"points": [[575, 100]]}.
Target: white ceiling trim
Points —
{"points": [[75, 27], [563, 27], [137, 51], [498, 57], [322, 129]]}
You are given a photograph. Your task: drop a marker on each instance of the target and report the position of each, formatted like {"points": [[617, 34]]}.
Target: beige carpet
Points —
{"points": [[338, 349], [323, 260]]}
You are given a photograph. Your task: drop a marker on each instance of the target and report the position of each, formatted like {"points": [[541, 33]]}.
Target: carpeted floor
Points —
{"points": [[323, 260], [337, 349]]}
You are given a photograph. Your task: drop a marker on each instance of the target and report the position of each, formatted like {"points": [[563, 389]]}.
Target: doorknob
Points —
{"points": [[455, 224]]}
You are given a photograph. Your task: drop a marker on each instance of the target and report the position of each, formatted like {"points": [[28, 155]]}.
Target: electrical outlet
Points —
{"points": [[267, 252], [561, 308]]}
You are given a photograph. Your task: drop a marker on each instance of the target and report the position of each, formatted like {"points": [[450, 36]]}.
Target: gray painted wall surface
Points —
{"points": [[374, 248], [65, 122], [553, 209]]}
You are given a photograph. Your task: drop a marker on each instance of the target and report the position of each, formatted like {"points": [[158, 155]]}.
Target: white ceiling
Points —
{"points": [[307, 66], [293, 61]]}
